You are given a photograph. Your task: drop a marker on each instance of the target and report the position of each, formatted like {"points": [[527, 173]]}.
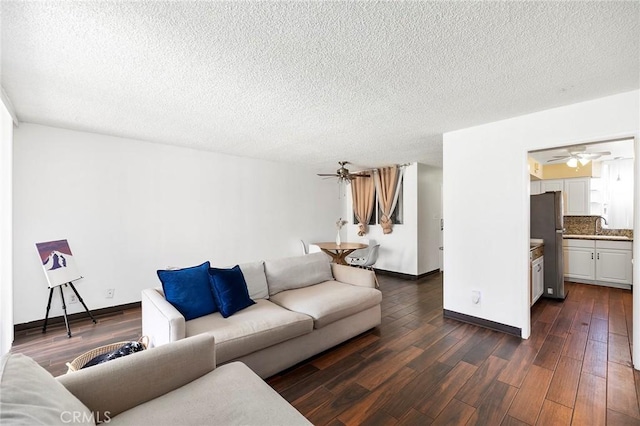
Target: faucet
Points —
{"points": [[605, 222]]}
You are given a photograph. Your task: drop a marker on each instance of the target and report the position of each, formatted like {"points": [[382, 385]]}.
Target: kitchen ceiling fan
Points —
{"points": [[578, 154], [343, 173]]}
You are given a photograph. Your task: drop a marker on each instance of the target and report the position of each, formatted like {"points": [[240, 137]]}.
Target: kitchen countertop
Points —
{"points": [[596, 237], [536, 248]]}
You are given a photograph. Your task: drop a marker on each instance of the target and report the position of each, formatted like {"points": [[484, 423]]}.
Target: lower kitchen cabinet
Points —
{"points": [[537, 279], [613, 265], [598, 261]]}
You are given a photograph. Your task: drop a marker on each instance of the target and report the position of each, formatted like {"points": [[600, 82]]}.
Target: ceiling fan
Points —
{"points": [[343, 173], [577, 154]]}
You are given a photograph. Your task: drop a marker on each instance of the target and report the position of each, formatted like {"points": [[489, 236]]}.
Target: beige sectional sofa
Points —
{"points": [[304, 305], [176, 384]]}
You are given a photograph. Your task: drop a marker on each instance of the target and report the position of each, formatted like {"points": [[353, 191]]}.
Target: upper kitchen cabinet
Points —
{"points": [[551, 185], [535, 188], [577, 197], [575, 194]]}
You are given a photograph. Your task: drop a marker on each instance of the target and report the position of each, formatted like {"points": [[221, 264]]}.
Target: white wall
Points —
{"points": [[6, 264], [429, 200], [486, 200], [129, 208], [412, 247]]}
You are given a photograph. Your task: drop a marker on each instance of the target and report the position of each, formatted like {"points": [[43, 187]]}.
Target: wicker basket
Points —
{"points": [[80, 361]]}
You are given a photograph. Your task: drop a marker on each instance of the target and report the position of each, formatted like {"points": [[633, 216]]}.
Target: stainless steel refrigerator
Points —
{"points": [[546, 223]]}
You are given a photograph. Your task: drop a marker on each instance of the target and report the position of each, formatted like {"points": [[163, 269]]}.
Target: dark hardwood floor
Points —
{"points": [[419, 368]]}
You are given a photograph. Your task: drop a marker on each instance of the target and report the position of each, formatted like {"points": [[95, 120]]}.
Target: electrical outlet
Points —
{"points": [[73, 299], [109, 293], [549, 290], [475, 297]]}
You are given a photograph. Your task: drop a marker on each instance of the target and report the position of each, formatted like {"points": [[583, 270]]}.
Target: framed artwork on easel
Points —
{"points": [[58, 262], [61, 270]]}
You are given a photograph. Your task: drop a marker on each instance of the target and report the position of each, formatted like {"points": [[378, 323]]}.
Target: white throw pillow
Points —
{"points": [[297, 272], [29, 395], [253, 273]]}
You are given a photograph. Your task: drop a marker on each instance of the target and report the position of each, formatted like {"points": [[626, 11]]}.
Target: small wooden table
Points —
{"points": [[339, 252]]}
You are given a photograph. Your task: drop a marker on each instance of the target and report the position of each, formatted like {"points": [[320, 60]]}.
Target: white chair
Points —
{"points": [[368, 260], [312, 248], [360, 253]]}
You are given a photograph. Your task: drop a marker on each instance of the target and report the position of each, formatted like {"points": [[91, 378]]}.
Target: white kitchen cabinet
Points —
{"points": [[598, 261], [578, 196], [551, 185], [579, 260], [613, 262], [537, 279], [534, 187]]}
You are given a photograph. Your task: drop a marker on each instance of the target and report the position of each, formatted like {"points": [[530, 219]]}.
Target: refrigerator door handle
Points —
{"points": [[591, 255]]}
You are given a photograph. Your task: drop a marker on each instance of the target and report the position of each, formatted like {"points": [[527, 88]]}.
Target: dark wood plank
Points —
{"points": [[554, 414], [376, 399], [619, 350], [621, 391], [415, 418], [475, 389], [564, 385], [575, 345], [599, 330], [528, 402], [341, 402], [446, 389], [618, 419], [581, 322], [455, 413], [494, 406], [591, 401], [595, 359], [550, 352], [516, 370], [331, 357], [377, 372]]}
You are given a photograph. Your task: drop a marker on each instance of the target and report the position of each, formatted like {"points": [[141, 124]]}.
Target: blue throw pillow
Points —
{"points": [[229, 290], [189, 291]]}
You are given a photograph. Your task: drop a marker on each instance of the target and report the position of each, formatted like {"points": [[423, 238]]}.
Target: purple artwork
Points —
{"points": [[58, 262]]}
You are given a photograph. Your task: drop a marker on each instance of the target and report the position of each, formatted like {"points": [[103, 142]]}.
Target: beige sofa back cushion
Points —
{"points": [[29, 395], [297, 272]]}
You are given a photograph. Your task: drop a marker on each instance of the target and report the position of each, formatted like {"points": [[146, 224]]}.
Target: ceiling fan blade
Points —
{"points": [[354, 175], [328, 174], [558, 159]]}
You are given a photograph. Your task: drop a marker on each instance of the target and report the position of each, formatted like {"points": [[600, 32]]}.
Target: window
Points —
{"points": [[397, 216]]}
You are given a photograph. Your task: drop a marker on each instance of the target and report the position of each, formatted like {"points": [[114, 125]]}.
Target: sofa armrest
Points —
{"points": [[123, 383], [354, 276], [161, 321]]}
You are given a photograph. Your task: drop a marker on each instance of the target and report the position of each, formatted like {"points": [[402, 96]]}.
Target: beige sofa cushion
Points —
{"points": [[251, 329], [297, 272], [29, 395], [230, 395], [329, 301]]}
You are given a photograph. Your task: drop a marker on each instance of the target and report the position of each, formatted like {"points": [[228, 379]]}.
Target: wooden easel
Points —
{"points": [[64, 307]]}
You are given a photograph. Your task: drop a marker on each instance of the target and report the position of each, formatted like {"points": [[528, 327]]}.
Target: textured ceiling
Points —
{"points": [[310, 82]]}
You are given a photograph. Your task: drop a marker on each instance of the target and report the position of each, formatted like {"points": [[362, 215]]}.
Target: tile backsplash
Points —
{"points": [[586, 225]]}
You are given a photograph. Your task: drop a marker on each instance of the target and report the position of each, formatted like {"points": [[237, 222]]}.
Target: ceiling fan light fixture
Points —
{"points": [[573, 162], [584, 161]]}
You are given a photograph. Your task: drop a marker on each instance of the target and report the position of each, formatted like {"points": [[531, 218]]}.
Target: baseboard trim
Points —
{"points": [[110, 310], [492, 325], [406, 276]]}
